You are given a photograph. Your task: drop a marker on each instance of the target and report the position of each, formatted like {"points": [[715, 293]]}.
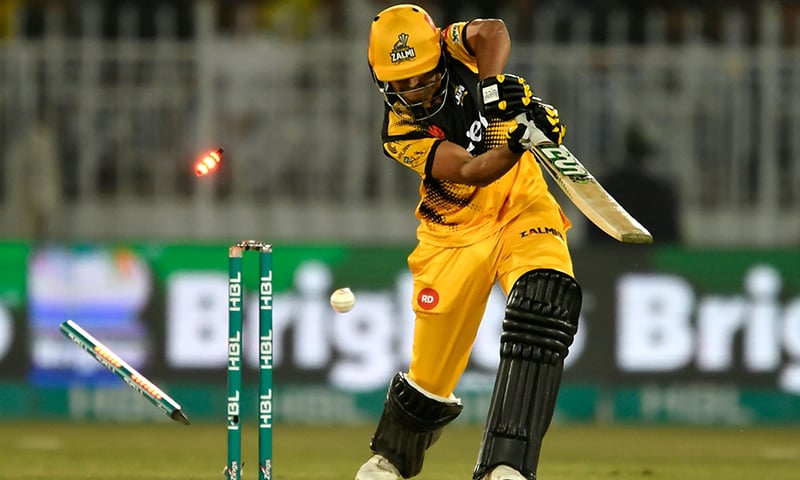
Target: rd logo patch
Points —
{"points": [[428, 298]]}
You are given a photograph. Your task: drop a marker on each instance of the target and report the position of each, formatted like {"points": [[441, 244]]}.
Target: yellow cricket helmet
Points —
{"points": [[403, 43]]}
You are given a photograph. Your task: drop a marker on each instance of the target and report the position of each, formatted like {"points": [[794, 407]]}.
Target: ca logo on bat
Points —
{"points": [[566, 163]]}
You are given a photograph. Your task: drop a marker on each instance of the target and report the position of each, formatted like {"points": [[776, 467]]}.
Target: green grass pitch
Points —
{"points": [[78, 451]]}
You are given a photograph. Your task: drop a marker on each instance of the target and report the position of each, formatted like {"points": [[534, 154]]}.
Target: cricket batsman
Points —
{"points": [[456, 118]]}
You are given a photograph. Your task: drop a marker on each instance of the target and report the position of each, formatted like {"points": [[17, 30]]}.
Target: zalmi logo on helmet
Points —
{"points": [[401, 51]]}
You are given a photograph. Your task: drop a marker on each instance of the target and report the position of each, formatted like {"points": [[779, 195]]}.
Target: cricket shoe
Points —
{"points": [[504, 472], [378, 468]]}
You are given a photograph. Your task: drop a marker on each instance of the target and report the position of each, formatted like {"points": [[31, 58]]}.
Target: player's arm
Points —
{"points": [[454, 163], [488, 40], [503, 96]]}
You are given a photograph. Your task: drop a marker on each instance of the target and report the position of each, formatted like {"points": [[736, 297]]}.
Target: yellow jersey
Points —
{"points": [[453, 214]]}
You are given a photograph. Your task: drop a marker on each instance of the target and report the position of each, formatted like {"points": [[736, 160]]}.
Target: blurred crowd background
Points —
{"points": [[689, 110], [304, 19]]}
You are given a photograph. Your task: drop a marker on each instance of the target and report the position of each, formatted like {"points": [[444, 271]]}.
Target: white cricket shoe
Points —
{"points": [[504, 472], [378, 468]]}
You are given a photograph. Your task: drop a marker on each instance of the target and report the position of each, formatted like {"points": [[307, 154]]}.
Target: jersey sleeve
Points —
{"points": [[408, 143], [454, 37], [414, 153]]}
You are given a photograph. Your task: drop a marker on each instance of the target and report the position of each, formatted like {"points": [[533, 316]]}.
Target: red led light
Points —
{"points": [[147, 386], [108, 356], [208, 163]]}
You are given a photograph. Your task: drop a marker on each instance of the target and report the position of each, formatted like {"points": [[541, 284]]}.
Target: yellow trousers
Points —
{"points": [[452, 286]]}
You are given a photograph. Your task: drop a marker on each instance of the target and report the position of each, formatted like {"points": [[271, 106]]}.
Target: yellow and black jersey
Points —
{"points": [[453, 214]]}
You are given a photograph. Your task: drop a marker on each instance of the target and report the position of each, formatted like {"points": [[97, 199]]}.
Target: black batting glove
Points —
{"points": [[505, 96], [546, 119]]}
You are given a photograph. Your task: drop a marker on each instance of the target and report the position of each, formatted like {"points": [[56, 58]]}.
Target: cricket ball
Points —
{"points": [[343, 300]]}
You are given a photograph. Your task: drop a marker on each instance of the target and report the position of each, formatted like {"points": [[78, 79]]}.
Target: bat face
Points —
{"points": [[589, 196]]}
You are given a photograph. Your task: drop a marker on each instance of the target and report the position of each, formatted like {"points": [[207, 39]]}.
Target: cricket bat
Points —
{"points": [[588, 195]]}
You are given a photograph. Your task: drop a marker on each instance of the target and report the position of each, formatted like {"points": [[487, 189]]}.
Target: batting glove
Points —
{"points": [[524, 135], [504, 96], [546, 119]]}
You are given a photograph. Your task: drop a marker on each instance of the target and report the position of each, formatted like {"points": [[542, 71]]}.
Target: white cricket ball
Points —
{"points": [[343, 300]]}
